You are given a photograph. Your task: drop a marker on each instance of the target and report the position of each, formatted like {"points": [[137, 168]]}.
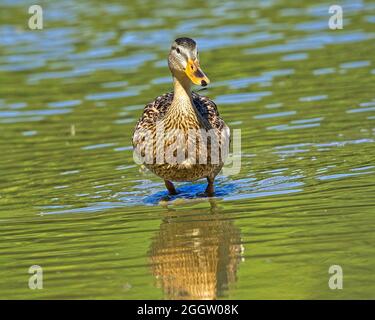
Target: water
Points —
{"points": [[73, 201]]}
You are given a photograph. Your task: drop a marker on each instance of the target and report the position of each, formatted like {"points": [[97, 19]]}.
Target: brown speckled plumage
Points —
{"points": [[156, 111]]}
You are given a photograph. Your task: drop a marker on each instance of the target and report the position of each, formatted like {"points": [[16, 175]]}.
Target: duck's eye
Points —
{"points": [[178, 50]]}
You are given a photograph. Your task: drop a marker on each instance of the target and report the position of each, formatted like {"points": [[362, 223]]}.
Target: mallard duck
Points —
{"points": [[177, 115]]}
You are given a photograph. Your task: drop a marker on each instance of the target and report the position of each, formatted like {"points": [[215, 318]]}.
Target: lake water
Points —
{"points": [[73, 201]]}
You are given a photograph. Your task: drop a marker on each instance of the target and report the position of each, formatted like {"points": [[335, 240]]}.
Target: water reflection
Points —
{"points": [[196, 256]]}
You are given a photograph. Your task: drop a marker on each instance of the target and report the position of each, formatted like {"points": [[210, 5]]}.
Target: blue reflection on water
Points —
{"points": [[190, 191]]}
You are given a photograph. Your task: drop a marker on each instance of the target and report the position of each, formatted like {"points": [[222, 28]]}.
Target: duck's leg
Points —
{"points": [[210, 190], [170, 187]]}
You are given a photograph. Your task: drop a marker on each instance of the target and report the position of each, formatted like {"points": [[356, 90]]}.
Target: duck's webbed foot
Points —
{"points": [[170, 187]]}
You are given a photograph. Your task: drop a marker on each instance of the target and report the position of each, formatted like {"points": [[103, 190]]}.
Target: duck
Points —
{"points": [[181, 136]]}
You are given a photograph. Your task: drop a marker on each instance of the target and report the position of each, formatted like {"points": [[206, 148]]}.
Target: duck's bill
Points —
{"points": [[195, 73]]}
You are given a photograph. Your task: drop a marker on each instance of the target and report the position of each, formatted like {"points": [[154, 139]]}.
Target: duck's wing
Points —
{"points": [[209, 111], [154, 111]]}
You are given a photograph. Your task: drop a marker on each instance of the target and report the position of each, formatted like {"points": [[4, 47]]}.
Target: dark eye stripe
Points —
{"points": [[177, 50], [180, 52]]}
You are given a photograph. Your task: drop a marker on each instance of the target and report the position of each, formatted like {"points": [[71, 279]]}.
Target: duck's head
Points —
{"points": [[183, 61]]}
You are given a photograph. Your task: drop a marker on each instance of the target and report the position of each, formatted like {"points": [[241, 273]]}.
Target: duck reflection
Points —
{"points": [[196, 255]]}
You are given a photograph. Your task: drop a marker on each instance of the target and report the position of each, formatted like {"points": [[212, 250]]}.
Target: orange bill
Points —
{"points": [[195, 73]]}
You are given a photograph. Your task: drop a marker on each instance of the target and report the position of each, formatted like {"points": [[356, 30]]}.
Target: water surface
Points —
{"points": [[73, 201]]}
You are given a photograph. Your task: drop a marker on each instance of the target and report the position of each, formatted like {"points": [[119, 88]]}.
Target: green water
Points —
{"points": [[73, 201]]}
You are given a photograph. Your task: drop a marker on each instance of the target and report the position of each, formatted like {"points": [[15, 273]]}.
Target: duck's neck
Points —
{"points": [[182, 103]]}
